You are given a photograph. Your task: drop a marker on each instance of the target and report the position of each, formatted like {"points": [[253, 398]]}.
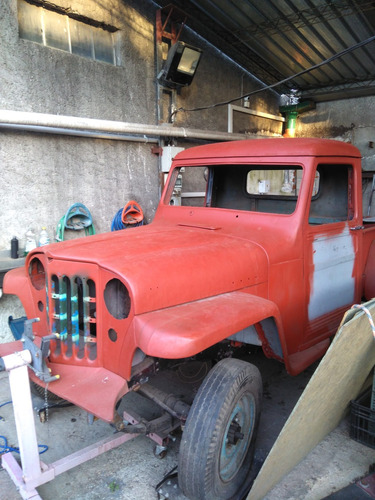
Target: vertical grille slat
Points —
{"points": [[55, 310], [86, 309], [63, 310], [73, 316]]}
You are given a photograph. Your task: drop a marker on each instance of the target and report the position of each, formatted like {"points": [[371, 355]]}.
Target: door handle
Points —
{"points": [[357, 228]]}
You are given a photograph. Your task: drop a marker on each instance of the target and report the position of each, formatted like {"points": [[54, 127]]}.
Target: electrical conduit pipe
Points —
{"points": [[105, 129]]}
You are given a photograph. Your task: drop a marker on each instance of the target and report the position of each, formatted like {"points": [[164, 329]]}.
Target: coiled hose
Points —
{"points": [[129, 216]]}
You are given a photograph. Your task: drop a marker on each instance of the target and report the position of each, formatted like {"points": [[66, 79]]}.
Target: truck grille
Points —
{"points": [[73, 316]]}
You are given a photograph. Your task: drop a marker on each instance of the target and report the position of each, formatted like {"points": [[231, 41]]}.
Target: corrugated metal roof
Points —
{"points": [[276, 39]]}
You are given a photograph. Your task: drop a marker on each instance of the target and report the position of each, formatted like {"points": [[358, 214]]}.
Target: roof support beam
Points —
{"points": [[343, 91]]}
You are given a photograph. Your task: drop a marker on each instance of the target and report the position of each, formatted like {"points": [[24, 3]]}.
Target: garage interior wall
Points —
{"points": [[42, 175], [350, 120]]}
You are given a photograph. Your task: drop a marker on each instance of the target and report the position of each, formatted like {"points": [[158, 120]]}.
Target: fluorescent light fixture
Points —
{"points": [[180, 67]]}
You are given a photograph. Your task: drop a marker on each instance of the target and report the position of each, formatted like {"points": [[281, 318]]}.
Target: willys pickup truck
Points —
{"points": [[254, 243]]}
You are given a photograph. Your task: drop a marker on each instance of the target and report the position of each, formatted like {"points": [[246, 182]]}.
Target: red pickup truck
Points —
{"points": [[256, 242]]}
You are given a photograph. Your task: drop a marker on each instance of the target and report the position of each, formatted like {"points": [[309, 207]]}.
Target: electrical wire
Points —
{"points": [[117, 222], [5, 448], [3, 404], [280, 82], [129, 216]]}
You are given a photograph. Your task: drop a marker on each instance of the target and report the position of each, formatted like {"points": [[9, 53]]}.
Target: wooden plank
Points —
{"points": [[337, 380]]}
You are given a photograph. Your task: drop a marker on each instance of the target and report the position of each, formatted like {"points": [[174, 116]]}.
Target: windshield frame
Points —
{"points": [[231, 171]]}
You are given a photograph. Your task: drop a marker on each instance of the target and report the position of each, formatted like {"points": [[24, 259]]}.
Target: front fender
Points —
{"points": [[187, 329], [16, 283]]}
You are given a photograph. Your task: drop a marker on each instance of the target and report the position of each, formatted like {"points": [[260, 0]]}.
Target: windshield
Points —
{"points": [[256, 188]]}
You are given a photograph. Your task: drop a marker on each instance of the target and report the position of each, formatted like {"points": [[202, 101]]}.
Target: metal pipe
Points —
{"points": [[240, 109], [106, 129], [78, 133]]}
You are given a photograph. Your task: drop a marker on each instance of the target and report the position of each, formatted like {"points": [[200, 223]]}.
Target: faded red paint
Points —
{"points": [[198, 275]]}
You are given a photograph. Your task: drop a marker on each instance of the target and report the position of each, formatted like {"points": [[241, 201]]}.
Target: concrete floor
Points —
{"points": [[131, 471]]}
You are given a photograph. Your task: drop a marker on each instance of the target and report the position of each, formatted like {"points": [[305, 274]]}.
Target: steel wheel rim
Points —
{"points": [[232, 454]]}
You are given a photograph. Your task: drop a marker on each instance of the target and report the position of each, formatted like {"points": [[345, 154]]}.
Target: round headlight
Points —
{"points": [[117, 299], [37, 274]]}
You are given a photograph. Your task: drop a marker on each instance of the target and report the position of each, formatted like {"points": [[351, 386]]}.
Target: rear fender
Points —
{"points": [[187, 329]]}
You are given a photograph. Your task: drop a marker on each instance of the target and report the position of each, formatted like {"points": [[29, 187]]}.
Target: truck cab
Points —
{"points": [[300, 201]]}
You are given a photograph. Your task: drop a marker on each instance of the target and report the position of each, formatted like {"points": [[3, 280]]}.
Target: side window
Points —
{"points": [[332, 194], [188, 187]]}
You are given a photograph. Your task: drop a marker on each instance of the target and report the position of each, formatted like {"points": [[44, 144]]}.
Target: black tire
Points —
{"points": [[214, 460]]}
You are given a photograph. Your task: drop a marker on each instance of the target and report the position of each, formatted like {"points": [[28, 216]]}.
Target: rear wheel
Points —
{"points": [[217, 444]]}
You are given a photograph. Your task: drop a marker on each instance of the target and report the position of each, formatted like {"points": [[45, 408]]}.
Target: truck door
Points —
{"points": [[333, 232]]}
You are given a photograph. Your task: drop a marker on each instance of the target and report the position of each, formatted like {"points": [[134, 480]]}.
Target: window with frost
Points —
{"points": [[43, 23]]}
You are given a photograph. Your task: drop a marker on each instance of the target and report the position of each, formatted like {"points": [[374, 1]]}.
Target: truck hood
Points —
{"points": [[165, 266]]}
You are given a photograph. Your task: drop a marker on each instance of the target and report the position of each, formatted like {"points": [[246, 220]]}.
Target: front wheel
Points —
{"points": [[217, 444]]}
